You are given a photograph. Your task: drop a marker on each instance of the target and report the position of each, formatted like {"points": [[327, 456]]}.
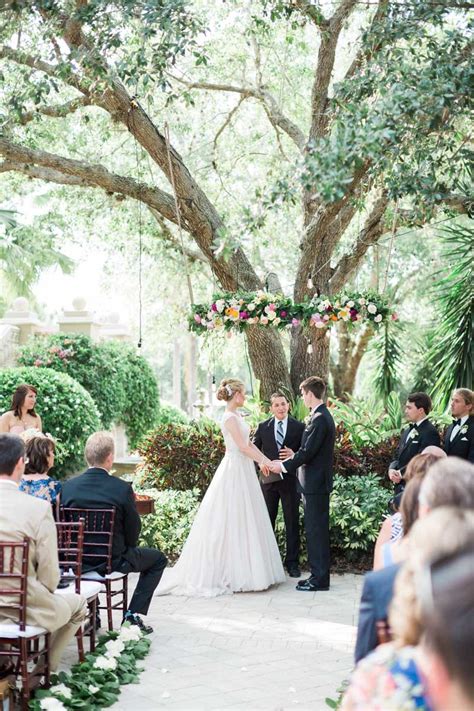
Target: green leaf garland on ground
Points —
{"points": [[95, 683], [236, 312]]}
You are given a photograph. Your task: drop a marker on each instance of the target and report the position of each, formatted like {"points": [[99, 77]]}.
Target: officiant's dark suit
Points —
{"points": [[315, 457], [96, 489], [275, 488], [462, 444], [425, 434]]}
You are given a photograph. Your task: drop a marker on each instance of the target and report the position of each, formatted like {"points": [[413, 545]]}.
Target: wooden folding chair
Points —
{"points": [[70, 551], [97, 556], [20, 641]]}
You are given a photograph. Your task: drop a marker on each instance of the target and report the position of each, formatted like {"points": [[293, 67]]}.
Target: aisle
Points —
{"points": [[268, 651]]}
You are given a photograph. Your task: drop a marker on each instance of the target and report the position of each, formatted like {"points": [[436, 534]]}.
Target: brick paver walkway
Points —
{"points": [[273, 650]]}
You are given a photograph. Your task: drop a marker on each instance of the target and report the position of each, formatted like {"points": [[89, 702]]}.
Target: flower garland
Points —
{"points": [[236, 312], [95, 683]]}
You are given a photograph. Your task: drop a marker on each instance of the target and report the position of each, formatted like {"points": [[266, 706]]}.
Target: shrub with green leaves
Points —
{"points": [[66, 409], [357, 508], [181, 456], [122, 384], [168, 528], [168, 414]]}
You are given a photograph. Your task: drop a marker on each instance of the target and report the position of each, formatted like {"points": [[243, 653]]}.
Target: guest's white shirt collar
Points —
{"points": [[7, 482], [420, 421], [315, 408], [463, 420]]}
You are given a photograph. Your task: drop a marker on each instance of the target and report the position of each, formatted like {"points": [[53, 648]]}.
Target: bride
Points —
{"points": [[231, 546]]}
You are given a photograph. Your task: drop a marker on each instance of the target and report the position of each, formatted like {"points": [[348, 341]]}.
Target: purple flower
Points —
{"points": [[243, 315], [283, 314], [214, 307]]}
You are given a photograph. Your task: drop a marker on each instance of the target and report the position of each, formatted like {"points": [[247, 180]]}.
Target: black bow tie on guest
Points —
{"points": [[413, 425], [457, 422]]}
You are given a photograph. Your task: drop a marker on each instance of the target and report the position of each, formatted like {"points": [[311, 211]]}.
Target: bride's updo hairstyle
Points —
{"points": [[228, 388]]}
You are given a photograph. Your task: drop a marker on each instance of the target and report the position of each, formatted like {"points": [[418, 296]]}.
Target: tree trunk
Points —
{"points": [[268, 361]]}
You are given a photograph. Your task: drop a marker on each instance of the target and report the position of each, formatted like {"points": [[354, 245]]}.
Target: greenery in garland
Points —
{"points": [[238, 311], [66, 409], [95, 683], [121, 383]]}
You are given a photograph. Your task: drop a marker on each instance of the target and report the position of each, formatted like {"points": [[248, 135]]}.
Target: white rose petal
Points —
{"points": [[371, 308], [106, 663], [362, 302], [52, 704], [350, 304], [251, 307], [378, 318], [114, 648], [61, 690]]}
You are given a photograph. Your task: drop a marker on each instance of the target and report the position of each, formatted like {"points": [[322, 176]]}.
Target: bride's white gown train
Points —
{"points": [[231, 546]]}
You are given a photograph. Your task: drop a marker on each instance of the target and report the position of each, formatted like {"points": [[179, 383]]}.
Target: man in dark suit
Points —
{"points": [[377, 594], [459, 438], [419, 434], [315, 457], [95, 489], [278, 437]]}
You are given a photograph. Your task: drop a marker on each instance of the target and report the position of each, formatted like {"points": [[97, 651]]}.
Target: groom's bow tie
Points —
{"points": [[457, 422], [413, 426]]}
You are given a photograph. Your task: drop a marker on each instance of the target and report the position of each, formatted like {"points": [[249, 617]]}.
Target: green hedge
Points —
{"points": [[66, 409], [357, 508], [121, 383]]}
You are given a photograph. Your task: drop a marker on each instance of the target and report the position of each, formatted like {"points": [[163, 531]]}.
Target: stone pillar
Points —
{"points": [[79, 320], [112, 329], [26, 321]]}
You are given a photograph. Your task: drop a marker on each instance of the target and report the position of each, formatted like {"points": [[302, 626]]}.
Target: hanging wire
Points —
{"points": [[133, 106]]}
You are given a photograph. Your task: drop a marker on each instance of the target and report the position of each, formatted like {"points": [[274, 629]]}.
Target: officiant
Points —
{"points": [[278, 437]]}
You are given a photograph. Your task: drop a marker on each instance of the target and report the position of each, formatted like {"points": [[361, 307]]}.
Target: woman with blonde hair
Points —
{"points": [[389, 678], [231, 546]]}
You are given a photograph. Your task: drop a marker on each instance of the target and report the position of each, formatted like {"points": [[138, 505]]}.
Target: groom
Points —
{"points": [[278, 437], [315, 457]]}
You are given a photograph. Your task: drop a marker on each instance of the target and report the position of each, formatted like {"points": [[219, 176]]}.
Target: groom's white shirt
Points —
{"points": [[285, 426]]}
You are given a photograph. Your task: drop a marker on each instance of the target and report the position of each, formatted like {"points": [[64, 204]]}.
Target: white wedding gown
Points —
{"points": [[231, 546]]}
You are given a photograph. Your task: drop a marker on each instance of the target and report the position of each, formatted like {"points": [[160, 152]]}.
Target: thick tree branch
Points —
{"points": [[93, 175], [324, 69], [312, 12], [371, 232], [273, 110], [365, 54]]}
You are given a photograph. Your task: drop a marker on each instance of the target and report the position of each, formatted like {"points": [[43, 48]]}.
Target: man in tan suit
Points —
{"points": [[22, 515]]}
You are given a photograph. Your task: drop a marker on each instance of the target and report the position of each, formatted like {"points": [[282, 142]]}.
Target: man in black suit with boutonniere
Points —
{"points": [[459, 438], [278, 437], [314, 463], [419, 434]]}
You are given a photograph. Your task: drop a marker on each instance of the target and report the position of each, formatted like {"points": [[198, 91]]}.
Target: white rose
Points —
{"points": [[371, 308], [130, 633], [276, 321], [107, 663], [220, 303], [51, 704], [362, 302], [271, 315], [350, 304], [61, 690], [114, 648], [251, 306], [378, 318]]}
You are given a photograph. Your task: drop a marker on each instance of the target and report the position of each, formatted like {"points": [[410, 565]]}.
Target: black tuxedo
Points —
{"points": [[96, 489], [410, 445], [274, 488], [315, 457], [463, 444], [377, 594]]}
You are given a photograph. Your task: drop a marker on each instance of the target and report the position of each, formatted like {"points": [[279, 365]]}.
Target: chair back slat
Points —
{"points": [[98, 535], [14, 576], [71, 548]]}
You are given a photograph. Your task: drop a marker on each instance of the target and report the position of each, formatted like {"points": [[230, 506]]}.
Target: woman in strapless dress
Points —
{"points": [[22, 415]]}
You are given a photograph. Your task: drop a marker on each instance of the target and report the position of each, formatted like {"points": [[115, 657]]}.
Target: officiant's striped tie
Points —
{"points": [[280, 436]]}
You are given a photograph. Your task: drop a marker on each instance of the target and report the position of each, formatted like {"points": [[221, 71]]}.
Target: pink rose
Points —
{"points": [[272, 307], [283, 314], [38, 363], [295, 322], [197, 318], [394, 317]]}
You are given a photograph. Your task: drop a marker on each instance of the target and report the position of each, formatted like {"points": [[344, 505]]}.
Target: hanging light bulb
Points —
{"points": [[310, 284], [309, 348], [214, 387]]}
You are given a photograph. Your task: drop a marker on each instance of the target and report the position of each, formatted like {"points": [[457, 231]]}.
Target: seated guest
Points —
{"points": [[419, 434], [390, 677], [459, 438], [449, 482], [96, 488], [39, 460], [23, 516], [22, 415], [447, 611], [392, 529]]}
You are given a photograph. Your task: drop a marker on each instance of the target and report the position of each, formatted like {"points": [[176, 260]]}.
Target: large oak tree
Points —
{"points": [[389, 137]]}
